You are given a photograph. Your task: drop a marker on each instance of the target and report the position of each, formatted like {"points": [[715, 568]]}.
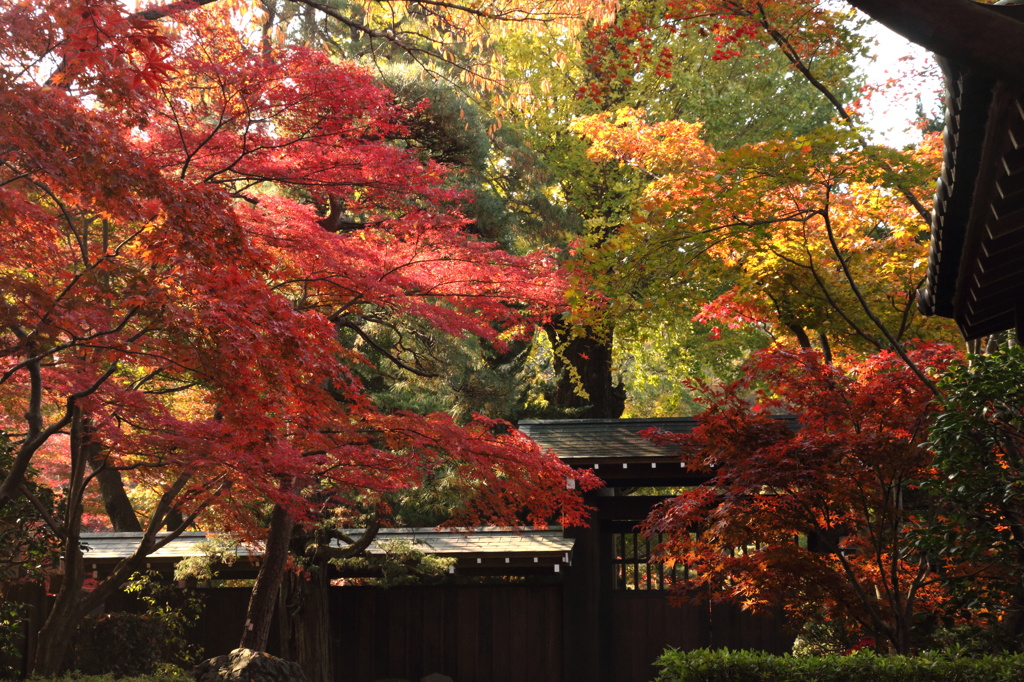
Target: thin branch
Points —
{"points": [[797, 61], [896, 346], [53, 524], [366, 337]]}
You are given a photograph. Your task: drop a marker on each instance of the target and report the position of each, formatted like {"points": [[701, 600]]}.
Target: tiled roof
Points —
{"points": [[619, 439], [107, 546], [487, 540]]}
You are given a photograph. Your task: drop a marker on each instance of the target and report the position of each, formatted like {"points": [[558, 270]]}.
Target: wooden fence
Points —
{"points": [[473, 633], [492, 633], [499, 633], [644, 623]]}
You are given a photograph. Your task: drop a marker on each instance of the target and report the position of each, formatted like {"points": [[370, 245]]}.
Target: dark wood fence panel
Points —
{"points": [[505, 633], [645, 623], [735, 628], [35, 605], [218, 629]]}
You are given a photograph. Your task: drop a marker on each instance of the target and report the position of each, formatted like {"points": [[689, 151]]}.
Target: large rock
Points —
{"points": [[246, 665]]}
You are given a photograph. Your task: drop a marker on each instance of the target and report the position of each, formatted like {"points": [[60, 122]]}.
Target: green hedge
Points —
{"points": [[747, 666]]}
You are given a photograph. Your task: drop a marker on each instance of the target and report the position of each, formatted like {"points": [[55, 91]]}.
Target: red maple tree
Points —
{"points": [[189, 217], [812, 512]]}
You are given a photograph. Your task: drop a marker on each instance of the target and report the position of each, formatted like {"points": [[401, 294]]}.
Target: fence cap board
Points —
{"points": [[482, 540], [117, 546], [486, 541]]}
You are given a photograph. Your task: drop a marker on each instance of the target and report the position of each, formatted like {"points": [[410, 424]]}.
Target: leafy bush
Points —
{"points": [[400, 564], [826, 635], [11, 635], [119, 643], [748, 666], [139, 643], [978, 441]]}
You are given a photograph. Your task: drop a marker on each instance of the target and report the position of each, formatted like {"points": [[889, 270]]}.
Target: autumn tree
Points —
{"points": [[180, 255], [829, 245], [644, 58], [645, 54], [816, 515], [821, 240], [452, 121], [451, 41]]}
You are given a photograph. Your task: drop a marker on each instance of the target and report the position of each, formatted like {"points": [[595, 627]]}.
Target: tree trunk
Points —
{"points": [[61, 623], [306, 624], [53, 642], [115, 500], [826, 347], [73, 604], [801, 335], [268, 583], [583, 360]]}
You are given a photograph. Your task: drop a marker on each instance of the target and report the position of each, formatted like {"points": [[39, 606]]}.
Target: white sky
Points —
{"points": [[891, 115]]}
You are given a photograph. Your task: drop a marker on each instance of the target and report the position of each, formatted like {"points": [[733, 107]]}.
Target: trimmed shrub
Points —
{"points": [[119, 643], [749, 666]]}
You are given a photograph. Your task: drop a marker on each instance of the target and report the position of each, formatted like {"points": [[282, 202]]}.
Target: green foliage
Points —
{"points": [[27, 549], [460, 376], [11, 635], [657, 361], [400, 564], [447, 127], [747, 666], [27, 546], [217, 550], [978, 443], [140, 643], [748, 99], [751, 97], [825, 636]]}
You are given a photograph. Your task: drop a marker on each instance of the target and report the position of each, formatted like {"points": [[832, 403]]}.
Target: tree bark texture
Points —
{"points": [[583, 359], [54, 638], [268, 582], [306, 624], [115, 500]]}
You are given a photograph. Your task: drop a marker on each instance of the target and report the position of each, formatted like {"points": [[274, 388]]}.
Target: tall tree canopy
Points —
{"points": [[798, 231], [650, 59]]}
